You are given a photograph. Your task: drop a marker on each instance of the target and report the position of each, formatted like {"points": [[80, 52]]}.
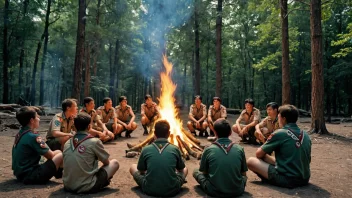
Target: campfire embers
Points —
{"points": [[186, 142]]}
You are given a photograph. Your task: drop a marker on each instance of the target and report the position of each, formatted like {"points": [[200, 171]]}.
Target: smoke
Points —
{"points": [[159, 18]]}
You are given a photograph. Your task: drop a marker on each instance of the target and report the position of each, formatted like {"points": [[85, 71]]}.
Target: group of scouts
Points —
{"points": [[161, 170]]}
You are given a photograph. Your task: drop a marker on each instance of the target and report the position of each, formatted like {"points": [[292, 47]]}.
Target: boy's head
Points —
{"points": [[287, 114], [26, 115], [148, 99], [107, 102], [249, 104], [88, 103], [222, 128], [82, 121], [197, 99], [272, 109], [216, 102], [162, 129], [69, 106]]}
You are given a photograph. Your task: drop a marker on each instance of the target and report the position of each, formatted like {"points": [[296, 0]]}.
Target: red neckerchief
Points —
{"points": [[19, 136], [225, 148], [75, 144]]}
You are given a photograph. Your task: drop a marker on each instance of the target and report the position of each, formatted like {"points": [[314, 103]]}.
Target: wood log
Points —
{"points": [[182, 149], [191, 137], [190, 151], [139, 147]]}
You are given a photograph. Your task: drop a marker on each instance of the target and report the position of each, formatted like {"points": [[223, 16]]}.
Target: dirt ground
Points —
{"points": [[330, 167]]}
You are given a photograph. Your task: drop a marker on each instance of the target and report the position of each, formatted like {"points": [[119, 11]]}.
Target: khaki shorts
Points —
{"points": [[277, 179], [41, 174], [53, 143], [139, 178]]}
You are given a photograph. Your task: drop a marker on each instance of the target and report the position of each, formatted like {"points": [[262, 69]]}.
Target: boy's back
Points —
{"points": [[161, 160], [81, 164]]}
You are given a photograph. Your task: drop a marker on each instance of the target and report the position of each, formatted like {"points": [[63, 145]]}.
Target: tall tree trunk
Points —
{"points": [[196, 40], [318, 121], [87, 72], [45, 49], [112, 72], [286, 88], [22, 54], [184, 82], [218, 49], [116, 67], [28, 86], [79, 57], [34, 72], [5, 55], [96, 40]]}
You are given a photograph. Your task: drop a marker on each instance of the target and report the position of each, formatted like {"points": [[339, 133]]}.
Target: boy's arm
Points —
{"points": [[49, 155], [133, 116], [101, 153]]}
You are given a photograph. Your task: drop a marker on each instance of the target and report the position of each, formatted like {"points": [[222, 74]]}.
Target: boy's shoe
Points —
{"points": [[128, 134], [58, 173], [145, 132], [194, 133], [211, 139], [206, 134]]}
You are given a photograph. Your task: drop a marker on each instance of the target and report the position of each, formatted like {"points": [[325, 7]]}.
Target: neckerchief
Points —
{"points": [[75, 143], [299, 139], [160, 148], [225, 148], [19, 135], [273, 122]]}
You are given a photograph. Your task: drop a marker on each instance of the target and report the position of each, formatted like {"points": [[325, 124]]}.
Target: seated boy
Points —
{"points": [[292, 146], [81, 155], [160, 170], [27, 149], [223, 167]]}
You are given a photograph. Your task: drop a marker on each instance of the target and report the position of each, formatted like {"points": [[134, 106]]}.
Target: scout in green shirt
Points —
{"points": [[223, 167], [269, 124], [245, 124], [81, 155], [160, 170], [292, 147], [61, 125], [27, 149]]}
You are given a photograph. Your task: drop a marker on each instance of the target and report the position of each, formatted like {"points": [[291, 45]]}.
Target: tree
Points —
{"points": [[218, 49], [196, 40], [318, 120], [286, 89], [79, 57], [5, 55]]}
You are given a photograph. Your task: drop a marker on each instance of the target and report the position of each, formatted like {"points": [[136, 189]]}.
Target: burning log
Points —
{"points": [[190, 136], [182, 148], [189, 150], [139, 147]]}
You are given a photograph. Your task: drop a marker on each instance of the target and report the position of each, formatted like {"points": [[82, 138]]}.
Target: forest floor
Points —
{"points": [[331, 165]]}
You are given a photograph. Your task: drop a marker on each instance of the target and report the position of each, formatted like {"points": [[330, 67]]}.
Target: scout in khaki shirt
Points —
{"points": [[27, 149], [269, 124], [81, 155], [108, 115], [125, 117], [149, 112], [292, 146], [223, 167], [215, 112], [245, 124], [198, 116], [61, 125], [160, 171], [98, 129]]}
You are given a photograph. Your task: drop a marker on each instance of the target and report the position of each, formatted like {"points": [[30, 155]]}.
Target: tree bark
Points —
{"points": [[34, 71], [87, 72], [218, 49], [79, 57], [112, 70], [196, 40], [5, 55], [96, 44], [318, 121], [286, 88], [45, 50]]}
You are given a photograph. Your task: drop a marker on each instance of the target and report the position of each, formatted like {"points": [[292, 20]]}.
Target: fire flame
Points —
{"points": [[168, 109]]}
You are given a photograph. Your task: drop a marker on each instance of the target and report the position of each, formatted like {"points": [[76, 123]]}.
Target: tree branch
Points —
{"points": [[54, 20], [302, 1]]}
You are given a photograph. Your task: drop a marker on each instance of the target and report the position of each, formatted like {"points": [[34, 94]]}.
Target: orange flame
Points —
{"points": [[168, 109]]}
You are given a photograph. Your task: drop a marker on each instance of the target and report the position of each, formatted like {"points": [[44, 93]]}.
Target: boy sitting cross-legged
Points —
{"points": [[28, 148], [223, 167], [160, 170], [81, 155]]}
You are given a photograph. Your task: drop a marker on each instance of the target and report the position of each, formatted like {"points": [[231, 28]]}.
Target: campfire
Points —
{"points": [[184, 140]]}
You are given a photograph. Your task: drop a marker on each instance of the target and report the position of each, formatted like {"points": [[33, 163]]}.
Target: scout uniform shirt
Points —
{"points": [[224, 168], [60, 123], [216, 114], [161, 160], [106, 116], [292, 148], [270, 124], [249, 117], [93, 114], [26, 152], [81, 164], [123, 114], [151, 111], [198, 113]]}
